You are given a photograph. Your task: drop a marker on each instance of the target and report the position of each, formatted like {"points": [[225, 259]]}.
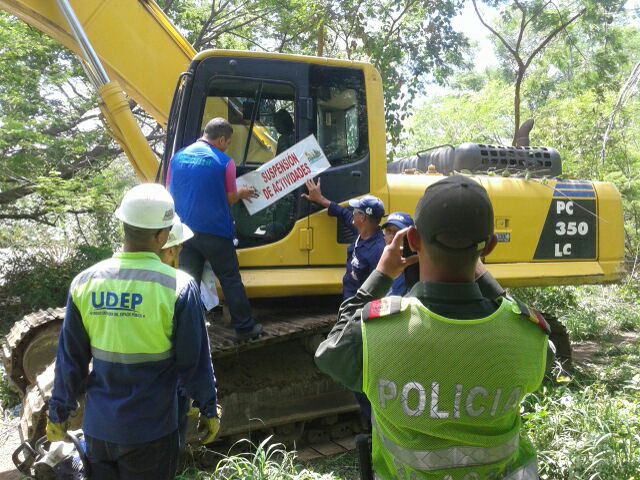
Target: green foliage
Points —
{"points": [[557, 300], [8, 396], [468, 115], [40, 278], [571, 100], [602, 312], [48, 115], [589, 312], [57, 176], [263, 462], [588, 428]]}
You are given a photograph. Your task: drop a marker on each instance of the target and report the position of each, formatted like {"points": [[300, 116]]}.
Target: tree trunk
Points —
{"points": [[516, 106], [320, 50]]}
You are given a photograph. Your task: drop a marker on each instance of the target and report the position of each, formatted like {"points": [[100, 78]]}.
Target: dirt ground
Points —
{"points": [[9, 441], [587, 352]]}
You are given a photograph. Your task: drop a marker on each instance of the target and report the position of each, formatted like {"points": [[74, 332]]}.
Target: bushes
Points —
{"points": [[40, 278], [589, 312], [586, 434]]}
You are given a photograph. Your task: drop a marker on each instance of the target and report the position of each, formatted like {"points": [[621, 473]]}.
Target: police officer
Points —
{"points": [[395, 222], [141, 323], [445, 368], [363, 221]]}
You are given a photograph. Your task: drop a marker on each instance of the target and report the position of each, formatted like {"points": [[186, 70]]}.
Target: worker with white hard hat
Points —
{"points": [[141, 323], [179, 234]]}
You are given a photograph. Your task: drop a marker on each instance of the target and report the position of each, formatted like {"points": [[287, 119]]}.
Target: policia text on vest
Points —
{"points": [[471, 402]]}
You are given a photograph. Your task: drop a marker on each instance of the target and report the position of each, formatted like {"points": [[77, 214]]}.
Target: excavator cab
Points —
{"points": [[255, 95]]}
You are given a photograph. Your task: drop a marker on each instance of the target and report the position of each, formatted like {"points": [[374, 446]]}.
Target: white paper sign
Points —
{"points": [[208, 292], [286, 172]]}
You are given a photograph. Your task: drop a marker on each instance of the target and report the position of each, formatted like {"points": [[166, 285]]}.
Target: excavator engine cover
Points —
{"points": [[483, 158]]}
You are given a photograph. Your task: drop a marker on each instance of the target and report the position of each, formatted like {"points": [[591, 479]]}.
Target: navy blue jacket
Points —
{"points": [[362, 255], [135, 403]]}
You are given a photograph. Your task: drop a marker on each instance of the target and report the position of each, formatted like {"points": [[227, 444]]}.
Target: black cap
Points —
{"points": [[455, 213]]}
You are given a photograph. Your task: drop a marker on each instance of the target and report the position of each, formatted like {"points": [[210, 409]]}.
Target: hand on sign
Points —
{"points": [[392, 263], [315, 193], [247, 193]]}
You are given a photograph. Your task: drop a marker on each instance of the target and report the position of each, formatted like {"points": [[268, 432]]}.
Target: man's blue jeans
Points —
{"points": [[222, 256]]}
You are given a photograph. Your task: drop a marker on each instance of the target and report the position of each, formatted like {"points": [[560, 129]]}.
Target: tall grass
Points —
{"points": [[586, 433], [265, 461]]}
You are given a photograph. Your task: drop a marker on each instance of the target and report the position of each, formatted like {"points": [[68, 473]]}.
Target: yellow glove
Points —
{"points": [[193, 412], [56, 432], [213, 426]]}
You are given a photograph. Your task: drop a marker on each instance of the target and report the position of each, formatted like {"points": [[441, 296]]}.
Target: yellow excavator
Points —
{"points": [[550, 231]]}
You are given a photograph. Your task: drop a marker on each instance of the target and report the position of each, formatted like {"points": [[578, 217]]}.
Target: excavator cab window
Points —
{"points": [[338, 124], [341, 127], [240, 102]]}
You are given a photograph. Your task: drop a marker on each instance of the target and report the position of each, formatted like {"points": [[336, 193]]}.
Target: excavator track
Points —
{"points": [[31, 343], [30, 346]]}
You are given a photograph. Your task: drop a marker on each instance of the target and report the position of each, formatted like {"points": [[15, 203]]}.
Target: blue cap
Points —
{"points": [[370, 205], [400, 220]]}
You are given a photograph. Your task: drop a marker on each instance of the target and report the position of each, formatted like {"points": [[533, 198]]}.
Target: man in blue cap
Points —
{"points": [[396, 222], [364, 221]]}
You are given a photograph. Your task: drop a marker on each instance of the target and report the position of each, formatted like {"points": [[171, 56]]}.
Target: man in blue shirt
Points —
{"points": [[202, 180], [396, 222], [364, 221], [141, 322]]}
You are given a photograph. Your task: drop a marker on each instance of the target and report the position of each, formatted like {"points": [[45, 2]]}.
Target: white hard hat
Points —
{"points": [[179, 233], [147, 205]]}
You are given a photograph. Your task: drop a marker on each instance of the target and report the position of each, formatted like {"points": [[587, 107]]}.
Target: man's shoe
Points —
{"points": [[252, 334]]}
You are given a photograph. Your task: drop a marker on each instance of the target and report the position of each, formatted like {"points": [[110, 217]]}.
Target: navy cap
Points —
{"points": [[399, 219], [456, 213], [370, 205]]}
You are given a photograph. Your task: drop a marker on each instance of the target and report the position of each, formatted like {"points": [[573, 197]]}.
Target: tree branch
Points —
{"points": [[37, 216], [552, 35], [198, 41], [523, 24], [513, 52], [392, 28], [14, 194]]}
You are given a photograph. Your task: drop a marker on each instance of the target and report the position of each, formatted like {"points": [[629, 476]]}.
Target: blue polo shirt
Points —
{"points": [[362, 255], [197, 184]]}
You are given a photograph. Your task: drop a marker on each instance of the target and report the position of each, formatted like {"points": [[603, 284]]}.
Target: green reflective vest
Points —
{"points": [[446, 393], [127, 304]]}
